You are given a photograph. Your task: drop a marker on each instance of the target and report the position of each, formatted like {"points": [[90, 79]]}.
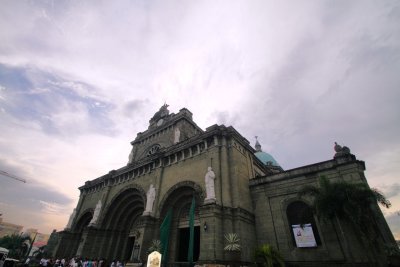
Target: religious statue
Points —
{"points": [[177, 135], [132, 154], [96, 213], [130, 157], [210, 189], [151, 196], [159, 115], [71, 218], [341, 151]]}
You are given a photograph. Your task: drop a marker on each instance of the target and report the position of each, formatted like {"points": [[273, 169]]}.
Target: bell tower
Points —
{"points": [[164, 130]]}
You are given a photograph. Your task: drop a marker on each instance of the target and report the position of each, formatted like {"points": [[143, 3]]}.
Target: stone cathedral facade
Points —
{"points": [[120, 213]]}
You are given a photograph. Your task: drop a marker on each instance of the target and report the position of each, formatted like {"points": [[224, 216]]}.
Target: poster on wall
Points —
{"points": [[304, 236]]}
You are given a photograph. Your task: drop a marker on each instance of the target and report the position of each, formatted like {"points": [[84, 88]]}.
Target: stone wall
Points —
{"points": [[271, 196], [183, 165]]}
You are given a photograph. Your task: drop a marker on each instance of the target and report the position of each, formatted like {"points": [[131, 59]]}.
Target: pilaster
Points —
{"points": [[148, 226], [211, 232]]}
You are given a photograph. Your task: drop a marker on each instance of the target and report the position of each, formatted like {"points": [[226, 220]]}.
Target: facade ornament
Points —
{"points": [[151, 196], [130, 158], [96, 214], [159, 115], [341, 151], [71, 219], [132, 154], [177, 135], [210, 188]]}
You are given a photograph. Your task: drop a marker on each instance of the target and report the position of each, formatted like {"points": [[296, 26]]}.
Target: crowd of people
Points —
{"points": [[78, 262]]}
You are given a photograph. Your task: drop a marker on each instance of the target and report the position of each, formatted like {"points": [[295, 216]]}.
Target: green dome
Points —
{"points": [[266, 158]]}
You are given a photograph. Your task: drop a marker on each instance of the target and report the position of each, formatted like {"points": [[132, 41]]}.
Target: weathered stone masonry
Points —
{"points": [[253, 195]]}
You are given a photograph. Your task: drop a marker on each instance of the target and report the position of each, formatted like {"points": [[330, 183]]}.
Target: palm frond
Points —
{"points": [[350, 201], [232, 240], [381, 199], [155, 246]]}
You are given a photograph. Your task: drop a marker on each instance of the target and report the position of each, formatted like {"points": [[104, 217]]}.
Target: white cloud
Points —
{"points": [[299, 75], [51, 208]]}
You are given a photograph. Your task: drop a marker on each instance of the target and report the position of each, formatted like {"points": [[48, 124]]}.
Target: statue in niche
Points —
{"points": [[210, 188], [71, 218], [132, 154], [96, 213], [151, 196], [130, 157], [177, 135]]}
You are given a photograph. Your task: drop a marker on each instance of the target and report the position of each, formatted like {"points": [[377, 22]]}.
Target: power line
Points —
{"points": [[12, 176]]}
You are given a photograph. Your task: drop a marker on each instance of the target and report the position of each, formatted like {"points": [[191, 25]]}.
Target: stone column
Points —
{"points": [[149, 229]]}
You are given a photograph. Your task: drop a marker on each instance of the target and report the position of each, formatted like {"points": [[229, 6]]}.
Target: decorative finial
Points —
{"points": [[257, 146]]}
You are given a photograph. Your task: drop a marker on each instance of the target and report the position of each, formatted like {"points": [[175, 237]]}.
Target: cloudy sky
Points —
{"points": [[79, 79]]}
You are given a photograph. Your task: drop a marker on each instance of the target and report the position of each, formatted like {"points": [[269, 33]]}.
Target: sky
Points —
{"points": [[79, 80]]}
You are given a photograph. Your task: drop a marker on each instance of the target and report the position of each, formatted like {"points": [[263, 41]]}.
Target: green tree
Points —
{"points": [[18, 245], [268, 256], [347, 201], [354, 203]]}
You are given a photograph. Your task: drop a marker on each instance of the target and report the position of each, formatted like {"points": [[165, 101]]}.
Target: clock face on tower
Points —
{"points": [[160, 122]]}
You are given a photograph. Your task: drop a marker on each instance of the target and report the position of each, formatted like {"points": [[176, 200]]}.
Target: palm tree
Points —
{"points": [[347, 201], [351, 202], [268, 256], [18, 245]]}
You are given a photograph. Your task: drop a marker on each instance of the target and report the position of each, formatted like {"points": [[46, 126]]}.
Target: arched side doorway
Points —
{"points": [[83, 221], [301, 215], [119, 223], [179, 200], [79, 230]]}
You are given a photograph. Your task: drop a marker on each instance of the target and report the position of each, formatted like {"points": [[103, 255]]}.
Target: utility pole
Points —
{"points": [[12, 176]]}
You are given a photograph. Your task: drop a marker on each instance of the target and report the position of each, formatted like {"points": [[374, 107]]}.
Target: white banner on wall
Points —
{"points": [[304, 236]]}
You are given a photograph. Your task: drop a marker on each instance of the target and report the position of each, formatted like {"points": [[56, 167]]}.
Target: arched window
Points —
{"points": [[302, 225]]}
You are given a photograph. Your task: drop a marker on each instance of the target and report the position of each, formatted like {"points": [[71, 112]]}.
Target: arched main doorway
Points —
{"points": [[120, 220], [179, 200]]}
